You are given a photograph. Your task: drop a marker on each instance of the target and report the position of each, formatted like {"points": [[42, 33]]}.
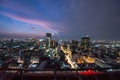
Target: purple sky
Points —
{"points": [[66, 19]]}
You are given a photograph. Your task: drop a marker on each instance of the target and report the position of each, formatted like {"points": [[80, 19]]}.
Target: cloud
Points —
{"points": [[19, 8], [39, 27], [36, 14], [44, 24], [70, 18], [32, 27]]}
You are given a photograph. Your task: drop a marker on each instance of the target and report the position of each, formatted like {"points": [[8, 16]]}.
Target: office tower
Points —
{"points": [[74, 45], [54, 43], [118, 57], [48, 40], [37, 43], [11, 42], [85, 43]]}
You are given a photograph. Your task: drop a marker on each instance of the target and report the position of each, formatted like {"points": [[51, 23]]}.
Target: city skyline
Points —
{"points": [[66, 19]]}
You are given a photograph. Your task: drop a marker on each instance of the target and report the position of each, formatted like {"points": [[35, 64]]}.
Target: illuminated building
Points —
{"points": [[118, 57], [11, 42], [53, 43], [37, 43], [74, 45], [48, 40], [43, 43], [88, 59], [85, 43]]}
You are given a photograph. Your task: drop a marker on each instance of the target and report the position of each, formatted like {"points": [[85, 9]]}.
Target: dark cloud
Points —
{"points": [[98, 19], [32, 27]]}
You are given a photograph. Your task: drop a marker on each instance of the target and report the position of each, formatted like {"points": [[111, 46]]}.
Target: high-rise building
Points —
{"points": [[54, 43], [74, 46], [11, 42], [37, 43], [48, 40], [85, 43]]}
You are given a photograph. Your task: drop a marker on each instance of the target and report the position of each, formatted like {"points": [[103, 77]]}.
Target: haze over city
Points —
{"points": [[66, 19]]}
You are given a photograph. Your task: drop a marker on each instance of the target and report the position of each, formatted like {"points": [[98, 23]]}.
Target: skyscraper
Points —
{"points": [[48, 40], [85, 43], [74, 46]]}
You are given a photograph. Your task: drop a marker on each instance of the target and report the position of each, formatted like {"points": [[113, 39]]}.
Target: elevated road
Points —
{"points": [[68, 57], [101, 63]]}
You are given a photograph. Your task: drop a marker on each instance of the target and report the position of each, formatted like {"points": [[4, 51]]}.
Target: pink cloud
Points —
{"points": [[44, 24], [24, 9]]}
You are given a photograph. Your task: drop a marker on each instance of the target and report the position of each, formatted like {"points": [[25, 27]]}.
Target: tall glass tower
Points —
{"points": [[85, 42], [48, 40]]}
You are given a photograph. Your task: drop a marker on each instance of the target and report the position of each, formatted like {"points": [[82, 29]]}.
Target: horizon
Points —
{"points": [[64, 19]]}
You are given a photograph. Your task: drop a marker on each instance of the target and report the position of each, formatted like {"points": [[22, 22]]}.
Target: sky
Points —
{"points": [[64, 19]]}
